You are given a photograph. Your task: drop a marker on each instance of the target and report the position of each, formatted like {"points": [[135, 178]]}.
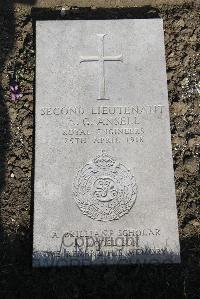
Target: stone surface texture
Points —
{"points": [[103, 158]]}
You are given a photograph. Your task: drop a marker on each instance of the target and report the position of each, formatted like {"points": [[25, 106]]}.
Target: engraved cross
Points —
{"points": [[101, 59]]}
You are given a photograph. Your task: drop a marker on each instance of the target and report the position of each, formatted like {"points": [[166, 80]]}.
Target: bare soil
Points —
{"points": [[17, 55], [100, 3]]}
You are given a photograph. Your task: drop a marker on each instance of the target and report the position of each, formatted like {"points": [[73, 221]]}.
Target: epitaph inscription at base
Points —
{"points": [[104, 184]]}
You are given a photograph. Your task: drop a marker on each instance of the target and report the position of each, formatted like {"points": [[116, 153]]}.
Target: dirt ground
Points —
{"points": [[17, 57], [100, 3]]}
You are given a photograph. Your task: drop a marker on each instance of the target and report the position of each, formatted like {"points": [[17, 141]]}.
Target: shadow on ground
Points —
{"points": [[19, 280]]}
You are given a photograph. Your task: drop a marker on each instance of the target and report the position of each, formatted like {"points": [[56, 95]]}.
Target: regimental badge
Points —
{"points": [[104, 189]]}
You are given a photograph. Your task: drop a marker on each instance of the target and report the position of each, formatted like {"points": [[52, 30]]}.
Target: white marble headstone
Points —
{"points": [[104, 182]]}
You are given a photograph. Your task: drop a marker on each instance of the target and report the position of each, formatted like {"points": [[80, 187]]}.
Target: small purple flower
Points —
{"points": [[14, 91]]}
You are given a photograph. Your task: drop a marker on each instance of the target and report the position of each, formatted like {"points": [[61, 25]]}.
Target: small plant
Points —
{"points": [[15, 91]]}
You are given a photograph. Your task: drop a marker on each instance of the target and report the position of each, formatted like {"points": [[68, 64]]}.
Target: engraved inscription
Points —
{"points": [[104, 189], [101, 59], [105, 124]]}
